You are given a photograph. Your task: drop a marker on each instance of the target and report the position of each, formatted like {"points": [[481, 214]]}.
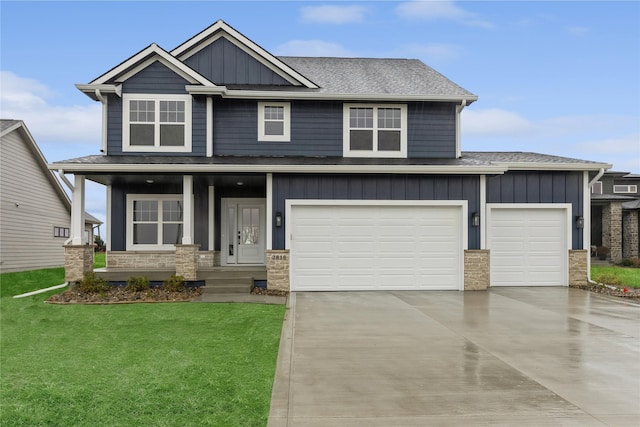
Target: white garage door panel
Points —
{"points": [[375, 247], [528, 247]]}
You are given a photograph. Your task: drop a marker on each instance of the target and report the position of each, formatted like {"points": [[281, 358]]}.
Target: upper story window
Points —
{"points": [[156, 123], [274, 121], [596, 188], [375, 130], [625, 189]]}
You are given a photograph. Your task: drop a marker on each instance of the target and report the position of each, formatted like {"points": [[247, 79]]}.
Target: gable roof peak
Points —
{"points": [[221, 29]]}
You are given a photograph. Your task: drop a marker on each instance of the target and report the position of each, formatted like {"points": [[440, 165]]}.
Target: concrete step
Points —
{"points": [[228, 285]]}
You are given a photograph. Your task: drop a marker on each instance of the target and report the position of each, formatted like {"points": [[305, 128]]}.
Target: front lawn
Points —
{"points": [[626, 276], [168, 364]]}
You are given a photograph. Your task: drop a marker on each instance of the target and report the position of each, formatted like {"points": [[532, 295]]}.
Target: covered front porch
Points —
{"points": [[206, 227]]}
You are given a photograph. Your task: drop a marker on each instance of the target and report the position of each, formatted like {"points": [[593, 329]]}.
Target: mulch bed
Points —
{"points": [[118, 295], [614, 291], [274, 292]]}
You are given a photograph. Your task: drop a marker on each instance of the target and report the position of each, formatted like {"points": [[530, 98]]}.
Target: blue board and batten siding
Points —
{"points": [[223, 63], [317, 130], [540, 187], [376, 187]]}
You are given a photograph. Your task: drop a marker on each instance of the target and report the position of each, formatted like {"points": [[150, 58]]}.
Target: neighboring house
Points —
{"points": [[332, 173], [615, 202], [34, 208]]}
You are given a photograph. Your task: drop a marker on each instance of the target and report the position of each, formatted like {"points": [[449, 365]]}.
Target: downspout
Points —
{"points": [[71, 187], [103, 100], [459, 109], [593, 181]]}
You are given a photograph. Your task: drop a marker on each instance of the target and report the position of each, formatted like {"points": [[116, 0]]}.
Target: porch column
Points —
{"points": [[612, 230], [78, 254], [187, 209], [630, 230], [77, 211]]}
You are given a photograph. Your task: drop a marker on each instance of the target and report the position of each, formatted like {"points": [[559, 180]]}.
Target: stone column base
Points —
{"points": [[187, 261], [78, 261], [476, 270], [630, 234], [278, 269], [578, 267]]}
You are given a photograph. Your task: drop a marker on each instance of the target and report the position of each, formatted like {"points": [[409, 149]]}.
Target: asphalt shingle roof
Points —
{"points": [[6, 124], [374, 76]]}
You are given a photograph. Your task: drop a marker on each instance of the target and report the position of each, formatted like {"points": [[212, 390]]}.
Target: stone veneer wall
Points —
{"points": [[612, 230], [278, 269], [187, 261], [476, 270], [578, 267], [78, 260], [141, 259], [208, 259], [630, 237]]}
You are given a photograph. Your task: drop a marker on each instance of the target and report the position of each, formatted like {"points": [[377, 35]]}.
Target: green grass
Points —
{"points": [[626, 275], [169, 364], [99, 260]]}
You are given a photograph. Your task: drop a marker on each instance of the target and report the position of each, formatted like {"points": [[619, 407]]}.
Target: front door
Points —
{"points": [[243, 235]]}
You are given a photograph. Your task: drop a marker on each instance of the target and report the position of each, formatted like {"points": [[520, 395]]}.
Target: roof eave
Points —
{"points": [[314, 95], [283, 168], [515, 166]]}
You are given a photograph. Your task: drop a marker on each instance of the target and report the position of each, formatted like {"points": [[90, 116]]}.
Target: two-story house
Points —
{"points": [[615, 202], [328, 173]]}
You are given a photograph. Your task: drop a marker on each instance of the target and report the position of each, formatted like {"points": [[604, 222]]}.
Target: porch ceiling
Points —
{"points": [[219, 180]]}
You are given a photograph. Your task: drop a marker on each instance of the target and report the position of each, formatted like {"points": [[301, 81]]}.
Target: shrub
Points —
{"points": [[608, 279], [92, 284], [175, 283], [626, 263], [138, 284]]}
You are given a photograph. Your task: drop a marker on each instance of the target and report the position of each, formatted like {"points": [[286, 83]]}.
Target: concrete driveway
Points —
{"points": [[508, 356]]}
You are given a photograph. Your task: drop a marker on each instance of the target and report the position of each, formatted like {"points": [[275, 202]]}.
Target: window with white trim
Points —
{"points": [[154, 222], [596, 188], [274, 121], [375, 130], [625, 189], [156, 123]]}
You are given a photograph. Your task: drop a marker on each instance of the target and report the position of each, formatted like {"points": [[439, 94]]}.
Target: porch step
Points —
{"points": [[228, 285]]}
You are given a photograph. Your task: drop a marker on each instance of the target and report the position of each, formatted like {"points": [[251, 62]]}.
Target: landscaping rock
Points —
{"points": [[119, 295]]}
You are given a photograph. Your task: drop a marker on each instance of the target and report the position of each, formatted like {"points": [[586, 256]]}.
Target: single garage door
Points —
{"points": [[375, 247], [528, 246]]}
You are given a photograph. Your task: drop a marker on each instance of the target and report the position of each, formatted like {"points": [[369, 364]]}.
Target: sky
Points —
{"points": [[553, 77]]}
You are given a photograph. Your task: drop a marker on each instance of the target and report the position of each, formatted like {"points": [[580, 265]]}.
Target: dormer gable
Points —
{"points": [[225, 56], [152, 56]]}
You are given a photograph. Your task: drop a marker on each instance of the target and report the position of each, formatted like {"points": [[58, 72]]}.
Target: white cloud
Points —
{"points": [[333, 14], [494, 122], [28, 100], [440, 10], [312, 48]]}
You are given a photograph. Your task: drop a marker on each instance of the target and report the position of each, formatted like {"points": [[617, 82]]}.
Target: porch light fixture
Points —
{"points": [[239, 183], [579, 222], [149, 181], [475, 219], [278, 219]]}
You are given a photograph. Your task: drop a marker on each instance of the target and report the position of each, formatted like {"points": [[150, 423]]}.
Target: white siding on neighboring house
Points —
{"points": [[30, 208]]}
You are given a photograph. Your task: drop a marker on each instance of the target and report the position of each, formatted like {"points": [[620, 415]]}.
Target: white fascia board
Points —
{"points": [[153, 50], [90, 89], [255, 50], [278, 94], [213, 168], [514, 166]]}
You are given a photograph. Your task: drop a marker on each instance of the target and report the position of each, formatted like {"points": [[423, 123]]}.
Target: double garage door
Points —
{"points": [[406, 246], [344, 247]]}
